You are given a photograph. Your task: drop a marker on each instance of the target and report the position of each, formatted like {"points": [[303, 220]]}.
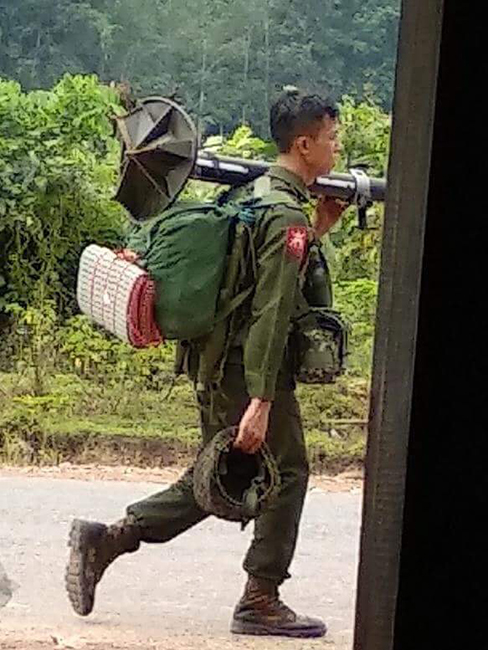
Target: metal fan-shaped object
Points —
{"points": [[159, 153]]}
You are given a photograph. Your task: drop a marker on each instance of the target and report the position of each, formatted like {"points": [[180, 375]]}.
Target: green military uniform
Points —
{"points": [[260, 363]]}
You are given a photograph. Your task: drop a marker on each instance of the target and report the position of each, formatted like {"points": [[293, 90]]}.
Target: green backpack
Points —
{"points": [[198, 255]]}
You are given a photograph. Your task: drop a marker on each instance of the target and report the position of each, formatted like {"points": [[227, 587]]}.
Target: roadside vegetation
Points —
{"points": [[68, 391]]}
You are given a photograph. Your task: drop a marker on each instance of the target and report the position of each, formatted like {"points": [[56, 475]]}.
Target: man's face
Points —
{"points": [[320, 151]]}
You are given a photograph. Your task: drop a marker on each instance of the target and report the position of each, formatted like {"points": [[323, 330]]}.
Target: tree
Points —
{"points": [[58, 164], [226, 58]]}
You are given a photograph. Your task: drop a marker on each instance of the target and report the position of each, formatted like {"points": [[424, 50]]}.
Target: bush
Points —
{"points": [[57, 175], [90, 353], [356, 299]]}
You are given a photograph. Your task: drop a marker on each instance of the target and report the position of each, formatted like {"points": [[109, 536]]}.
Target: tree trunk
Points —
{"points": [[201, 100], [267, 68], [247, 48]]}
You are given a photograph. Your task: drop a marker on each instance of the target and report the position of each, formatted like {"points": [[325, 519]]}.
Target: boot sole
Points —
{"points": [[80, 580], [255, 629]]}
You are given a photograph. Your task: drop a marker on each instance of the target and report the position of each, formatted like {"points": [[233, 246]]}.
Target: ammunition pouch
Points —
{"points": [[320, 343]]}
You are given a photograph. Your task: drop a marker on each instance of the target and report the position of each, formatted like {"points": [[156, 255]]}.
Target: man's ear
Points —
{"points": [[302, 144]]}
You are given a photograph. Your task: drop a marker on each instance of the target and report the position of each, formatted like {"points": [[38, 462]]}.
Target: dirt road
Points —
{"points": [[174, 597]]}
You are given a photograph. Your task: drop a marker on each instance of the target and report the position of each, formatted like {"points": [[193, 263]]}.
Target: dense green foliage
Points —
{"points": [[57, 174], [225, 58]]}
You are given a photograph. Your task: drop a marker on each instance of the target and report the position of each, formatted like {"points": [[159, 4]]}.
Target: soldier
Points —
{"points": [[256, 391]]}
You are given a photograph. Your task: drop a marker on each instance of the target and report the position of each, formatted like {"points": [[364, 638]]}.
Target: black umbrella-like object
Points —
{"points": [[158, 155]]}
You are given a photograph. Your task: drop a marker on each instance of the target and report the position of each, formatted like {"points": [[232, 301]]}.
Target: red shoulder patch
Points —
{"points": [[296, 241]]}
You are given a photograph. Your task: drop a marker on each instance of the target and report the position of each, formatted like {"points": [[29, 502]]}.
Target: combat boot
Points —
{"points": [[260, 612], [93, 547]]}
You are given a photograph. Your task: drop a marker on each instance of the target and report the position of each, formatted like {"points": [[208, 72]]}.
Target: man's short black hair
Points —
{"points": [[295, 113]]}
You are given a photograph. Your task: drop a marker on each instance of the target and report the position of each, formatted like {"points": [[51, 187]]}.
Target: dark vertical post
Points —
{"points": [[396, 329], [420, 575], [446, 497]]}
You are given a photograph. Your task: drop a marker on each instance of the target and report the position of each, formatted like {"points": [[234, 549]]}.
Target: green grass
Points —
{"points": [[110, 420]]}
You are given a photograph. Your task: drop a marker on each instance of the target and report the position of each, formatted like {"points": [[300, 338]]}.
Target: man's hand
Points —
{"points": [[327, 214], [127, 255], [253, 426]]}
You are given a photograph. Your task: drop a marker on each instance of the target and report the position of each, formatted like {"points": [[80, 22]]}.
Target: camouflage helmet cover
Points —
{"points": [[233, 485]]}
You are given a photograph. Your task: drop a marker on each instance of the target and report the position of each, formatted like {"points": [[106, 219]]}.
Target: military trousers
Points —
{"points": [[166, 514]]}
